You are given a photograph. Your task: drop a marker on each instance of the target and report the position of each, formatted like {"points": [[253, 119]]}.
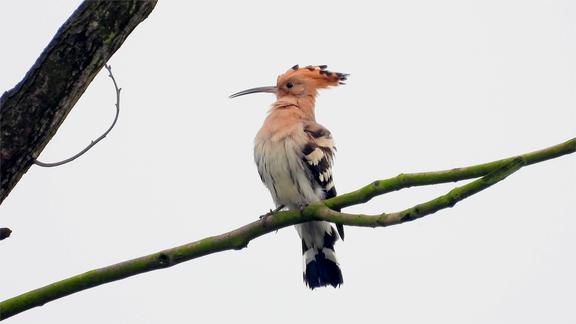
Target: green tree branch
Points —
{"points": [[488, 174], [408, 180]]}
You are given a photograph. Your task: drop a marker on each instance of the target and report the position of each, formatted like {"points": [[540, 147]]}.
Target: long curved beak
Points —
{"points": [[271, 89]]}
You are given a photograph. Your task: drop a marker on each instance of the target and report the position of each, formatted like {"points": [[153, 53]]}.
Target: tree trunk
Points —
{"points": [[32, 111]]}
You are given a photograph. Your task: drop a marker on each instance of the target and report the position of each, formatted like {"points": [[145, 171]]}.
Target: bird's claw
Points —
{"points": [[271, 212], [268, 214]]}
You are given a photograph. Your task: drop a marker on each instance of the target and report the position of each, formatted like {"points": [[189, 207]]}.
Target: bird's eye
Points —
{"points": [[289, 85]]}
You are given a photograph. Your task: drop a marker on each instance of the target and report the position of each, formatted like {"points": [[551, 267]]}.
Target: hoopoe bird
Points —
{"points": [[294, 156]]}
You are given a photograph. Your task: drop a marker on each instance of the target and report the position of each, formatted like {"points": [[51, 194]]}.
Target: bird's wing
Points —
{"points": [[318, 155]]}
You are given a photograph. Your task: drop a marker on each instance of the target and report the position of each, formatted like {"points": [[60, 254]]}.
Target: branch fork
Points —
{"points": [[486, 175]]}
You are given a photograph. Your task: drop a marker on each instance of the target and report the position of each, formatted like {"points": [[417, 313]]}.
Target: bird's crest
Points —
{"points": [[300, 82], [321, 76]]}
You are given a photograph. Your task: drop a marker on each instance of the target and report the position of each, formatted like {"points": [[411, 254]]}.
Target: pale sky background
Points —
{"points": [[434, 85]]}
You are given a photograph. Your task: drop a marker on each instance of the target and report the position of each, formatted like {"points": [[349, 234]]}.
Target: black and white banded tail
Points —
{"points": [[320, 264]]}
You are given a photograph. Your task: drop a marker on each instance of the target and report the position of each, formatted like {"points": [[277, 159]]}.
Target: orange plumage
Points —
{"points": [[294, 156]]}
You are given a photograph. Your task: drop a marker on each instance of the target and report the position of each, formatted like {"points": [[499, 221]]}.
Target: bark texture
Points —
{"points": [[32, 111]]}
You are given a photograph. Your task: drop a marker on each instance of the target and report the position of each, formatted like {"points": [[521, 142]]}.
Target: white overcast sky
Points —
{"points": [[434, 85]]}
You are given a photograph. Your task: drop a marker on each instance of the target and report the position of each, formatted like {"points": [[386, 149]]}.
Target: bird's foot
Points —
{"points": [[271, 212]]}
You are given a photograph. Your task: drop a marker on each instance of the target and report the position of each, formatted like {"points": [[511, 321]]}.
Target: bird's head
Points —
{"points": [[300, 82]]}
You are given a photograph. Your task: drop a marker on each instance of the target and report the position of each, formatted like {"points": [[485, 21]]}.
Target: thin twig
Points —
{"points": [[94, 142], [239, 238], [35, 108]]}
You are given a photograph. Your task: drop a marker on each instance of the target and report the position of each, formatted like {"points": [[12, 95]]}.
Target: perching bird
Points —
{"points": [[294, 156]]}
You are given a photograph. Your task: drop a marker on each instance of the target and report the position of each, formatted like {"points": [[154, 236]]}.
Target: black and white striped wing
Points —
{"points": [[318, 157]]}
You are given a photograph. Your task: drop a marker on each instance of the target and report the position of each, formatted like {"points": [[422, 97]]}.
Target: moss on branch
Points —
{"points": [[488, 174], [407, 180]]}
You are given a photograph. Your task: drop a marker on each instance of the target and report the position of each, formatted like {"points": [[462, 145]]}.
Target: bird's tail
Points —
{"points": [[320, 264]]}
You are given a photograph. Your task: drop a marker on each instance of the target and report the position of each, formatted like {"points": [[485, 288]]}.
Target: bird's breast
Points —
{"points": [[281, 168]]}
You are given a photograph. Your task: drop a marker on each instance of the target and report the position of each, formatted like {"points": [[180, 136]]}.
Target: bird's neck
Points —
{"points": [[302, 106]]}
